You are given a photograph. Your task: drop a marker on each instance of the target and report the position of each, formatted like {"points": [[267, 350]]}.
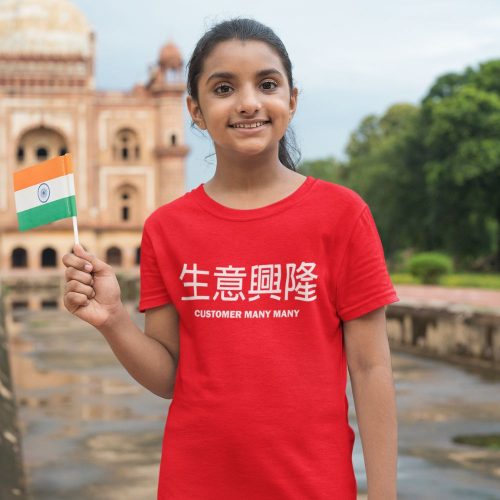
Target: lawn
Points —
{"points": [[462, 280]]}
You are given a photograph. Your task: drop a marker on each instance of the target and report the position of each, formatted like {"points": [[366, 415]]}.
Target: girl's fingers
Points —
{"points": [[76, 286], [77, 299], [82, 276], [71, 260]]}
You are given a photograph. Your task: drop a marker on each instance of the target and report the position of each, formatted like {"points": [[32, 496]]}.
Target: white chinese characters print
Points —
{"points": [[290, 281]]}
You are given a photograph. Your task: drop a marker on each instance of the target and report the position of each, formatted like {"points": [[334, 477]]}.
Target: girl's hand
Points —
{"points": [[90, 294]]}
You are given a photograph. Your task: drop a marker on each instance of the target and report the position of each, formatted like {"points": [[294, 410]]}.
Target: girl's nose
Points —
{"points": [[248, 102]]}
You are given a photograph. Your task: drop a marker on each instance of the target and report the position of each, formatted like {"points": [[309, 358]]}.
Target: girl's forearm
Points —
{"points": [[375, 403], [148, 361]]}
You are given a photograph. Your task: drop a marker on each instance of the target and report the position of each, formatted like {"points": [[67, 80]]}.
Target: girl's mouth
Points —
{"points": [[250, 127]]}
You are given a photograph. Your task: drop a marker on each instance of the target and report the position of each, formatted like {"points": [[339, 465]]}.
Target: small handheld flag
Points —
{"points": [[45, 192]]}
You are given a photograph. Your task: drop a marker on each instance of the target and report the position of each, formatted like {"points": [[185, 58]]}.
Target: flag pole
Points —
{"points": [[75, 230]]}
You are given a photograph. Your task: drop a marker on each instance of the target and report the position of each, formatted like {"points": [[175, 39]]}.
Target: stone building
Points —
{"points": [[127, 147]]}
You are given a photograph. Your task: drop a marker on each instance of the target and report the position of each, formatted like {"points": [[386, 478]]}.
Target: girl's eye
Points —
{"points": [[220, 87], [224, 85], [270, 81]]}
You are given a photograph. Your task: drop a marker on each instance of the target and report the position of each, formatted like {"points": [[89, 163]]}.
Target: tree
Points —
{"points": [[384, 167], [461, 119]]}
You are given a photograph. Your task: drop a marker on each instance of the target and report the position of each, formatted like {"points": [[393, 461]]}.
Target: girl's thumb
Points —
{"points": [[96, 263]]}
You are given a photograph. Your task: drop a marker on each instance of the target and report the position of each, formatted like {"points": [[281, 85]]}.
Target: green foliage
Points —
{"points": [[328, 169], [401, 258], [428, 267], [488, 441], [384, 154], [431, 172], [476, 280], [401, 278], [460, 280], [461, 119]]}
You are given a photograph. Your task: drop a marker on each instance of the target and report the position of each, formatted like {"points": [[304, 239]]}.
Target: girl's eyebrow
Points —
{"points": [[261, 73]]}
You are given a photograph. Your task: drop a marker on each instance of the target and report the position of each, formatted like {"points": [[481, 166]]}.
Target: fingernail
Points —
{"points": [[88, 267]]}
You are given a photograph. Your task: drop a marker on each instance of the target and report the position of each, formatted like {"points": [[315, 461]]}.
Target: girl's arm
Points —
{"points": [[370, 371], [149, 356], [93, 295]]}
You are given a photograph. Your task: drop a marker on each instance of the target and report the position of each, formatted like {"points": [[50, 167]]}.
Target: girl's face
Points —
{"points": [[243, 81]]}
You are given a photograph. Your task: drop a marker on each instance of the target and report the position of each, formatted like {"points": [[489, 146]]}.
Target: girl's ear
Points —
{"points": [[293, 101], [195, 112]]}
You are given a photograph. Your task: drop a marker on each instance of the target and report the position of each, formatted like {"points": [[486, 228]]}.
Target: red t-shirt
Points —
{"points": [[259, 409]]}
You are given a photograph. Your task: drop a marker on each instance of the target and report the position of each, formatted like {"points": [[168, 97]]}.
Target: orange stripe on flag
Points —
{"points": [[44, 171]]}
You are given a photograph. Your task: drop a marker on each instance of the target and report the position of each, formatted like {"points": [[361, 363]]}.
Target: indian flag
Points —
{"points": [[45, 192]]}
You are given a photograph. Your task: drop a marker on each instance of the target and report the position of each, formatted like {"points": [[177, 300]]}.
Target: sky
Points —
{"points": [[350, 59]]}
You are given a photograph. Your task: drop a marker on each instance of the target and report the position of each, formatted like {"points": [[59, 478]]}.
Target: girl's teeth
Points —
{"points": [[250, 126]]}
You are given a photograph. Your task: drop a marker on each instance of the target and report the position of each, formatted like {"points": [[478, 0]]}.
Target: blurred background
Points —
{"points": [[399, 101]]}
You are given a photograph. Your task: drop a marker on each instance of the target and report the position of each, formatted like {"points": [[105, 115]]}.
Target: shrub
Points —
{"points": [[400, 260], [428, 267]]}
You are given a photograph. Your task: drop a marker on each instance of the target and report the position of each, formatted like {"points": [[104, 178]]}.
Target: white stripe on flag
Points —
{"points": [[38, 194]]}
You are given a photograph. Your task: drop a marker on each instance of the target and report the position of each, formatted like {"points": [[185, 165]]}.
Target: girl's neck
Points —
{"points": [[235, 174], [255, 189]]}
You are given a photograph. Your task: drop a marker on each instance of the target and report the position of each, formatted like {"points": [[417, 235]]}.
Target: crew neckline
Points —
{"points": [[220, 210]]}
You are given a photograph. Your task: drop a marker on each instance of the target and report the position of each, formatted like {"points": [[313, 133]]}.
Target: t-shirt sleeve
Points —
{"points": [[153, 291], [363, 282]]}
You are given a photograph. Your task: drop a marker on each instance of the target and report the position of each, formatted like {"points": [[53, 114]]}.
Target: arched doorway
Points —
{"points": [[48, 257], [114, 256], [39, 144], [19, 258]]}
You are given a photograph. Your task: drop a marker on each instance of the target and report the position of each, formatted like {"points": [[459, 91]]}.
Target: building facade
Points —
{"points": [[128, 147]]}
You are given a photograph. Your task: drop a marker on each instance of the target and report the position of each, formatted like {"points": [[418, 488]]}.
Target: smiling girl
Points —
{"points": [[260, 287]]}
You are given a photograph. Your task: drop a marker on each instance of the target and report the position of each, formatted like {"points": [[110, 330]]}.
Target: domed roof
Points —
{"points": [[170, 56], [49, 27]]}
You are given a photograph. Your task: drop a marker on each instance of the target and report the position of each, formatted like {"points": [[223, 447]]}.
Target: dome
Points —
{"points": [[48, 27], [170, 56]]}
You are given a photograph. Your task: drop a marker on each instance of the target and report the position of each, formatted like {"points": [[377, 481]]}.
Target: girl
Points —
{"points": [[259, 286]]}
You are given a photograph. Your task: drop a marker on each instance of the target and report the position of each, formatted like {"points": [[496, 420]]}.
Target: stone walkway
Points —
{"points": [[430, 293]]}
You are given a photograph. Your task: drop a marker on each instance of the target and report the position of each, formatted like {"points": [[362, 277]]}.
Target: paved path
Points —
{"points": [[471, 296]]}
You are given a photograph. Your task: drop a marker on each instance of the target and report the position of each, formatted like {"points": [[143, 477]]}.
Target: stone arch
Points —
{"points": [[36, 144], [127, 203], [126, 145]]}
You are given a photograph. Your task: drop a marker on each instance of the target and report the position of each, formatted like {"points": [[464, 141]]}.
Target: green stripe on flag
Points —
{"points": [[44, 214]]}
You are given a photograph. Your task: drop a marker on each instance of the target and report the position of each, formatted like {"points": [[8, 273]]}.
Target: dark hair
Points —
{"points": [[243, 29]]}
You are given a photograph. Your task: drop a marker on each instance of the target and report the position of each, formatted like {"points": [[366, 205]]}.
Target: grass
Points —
{"points": [[38, 323], [489, 441], [462, 280]]}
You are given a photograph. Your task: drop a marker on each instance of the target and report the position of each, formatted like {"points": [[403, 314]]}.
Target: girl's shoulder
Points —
{"points": [[338, 197], [178, 207]]}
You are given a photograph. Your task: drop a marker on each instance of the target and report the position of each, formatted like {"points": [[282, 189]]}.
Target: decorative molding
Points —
{"points": [[19, 118], [107, 171], [43, 57], [4, 185], [82, 166], [172, 151], [26, 119], [125, 119]]}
